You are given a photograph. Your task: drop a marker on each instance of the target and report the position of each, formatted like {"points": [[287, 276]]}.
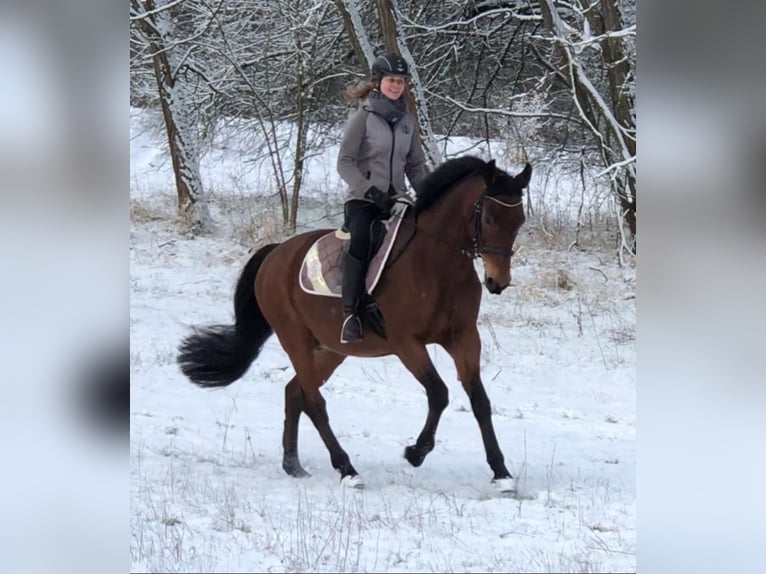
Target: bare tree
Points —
{"points": [[171, 69], [610, 117], [278, 58], [395, 41], [386, 14], [548, 78], [352, 22]]}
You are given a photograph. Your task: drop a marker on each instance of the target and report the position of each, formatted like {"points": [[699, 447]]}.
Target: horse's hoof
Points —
{"points": [[505, 486], [352, 481], [414, 456], [295, 470]]}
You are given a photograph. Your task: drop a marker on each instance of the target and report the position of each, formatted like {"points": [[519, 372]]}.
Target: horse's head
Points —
{"points": [[498, 216]]}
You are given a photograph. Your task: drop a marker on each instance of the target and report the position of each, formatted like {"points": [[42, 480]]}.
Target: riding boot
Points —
{"points": [[354, 271]]}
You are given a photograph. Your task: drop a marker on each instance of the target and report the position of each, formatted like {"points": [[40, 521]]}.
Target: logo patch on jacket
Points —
{"points": [[405, 128]]}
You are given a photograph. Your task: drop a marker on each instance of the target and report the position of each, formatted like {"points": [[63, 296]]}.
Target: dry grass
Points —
{"points": [[142, 211], [252, 219]]}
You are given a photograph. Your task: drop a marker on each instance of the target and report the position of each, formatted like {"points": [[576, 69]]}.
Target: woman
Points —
{"points": [[379, 147]]}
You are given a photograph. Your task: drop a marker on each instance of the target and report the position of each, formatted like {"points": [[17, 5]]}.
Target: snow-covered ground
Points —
{"points": [[207, 489]]}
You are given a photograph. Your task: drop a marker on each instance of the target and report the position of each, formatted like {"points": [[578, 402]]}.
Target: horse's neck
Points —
{"points": [[450, 217], [445, 235]]}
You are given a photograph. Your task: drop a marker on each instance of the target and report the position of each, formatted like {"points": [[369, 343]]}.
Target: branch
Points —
{"points": [[580, 79], [617, 165], [498, 111], [629, 31], [553, 69], [456, 23], [142, 15]]}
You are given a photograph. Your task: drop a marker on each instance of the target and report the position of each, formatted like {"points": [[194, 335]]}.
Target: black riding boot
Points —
{"points": [[354, 271]]}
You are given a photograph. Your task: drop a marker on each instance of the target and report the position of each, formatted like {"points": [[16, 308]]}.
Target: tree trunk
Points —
{"points": [[611, 123], [192, 212], [300, 144], [387, 25], [352, 22], [618, 69], [395, 42]]}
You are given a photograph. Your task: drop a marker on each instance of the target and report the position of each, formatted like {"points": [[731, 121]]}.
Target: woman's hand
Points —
{"points": [[382, 201]]}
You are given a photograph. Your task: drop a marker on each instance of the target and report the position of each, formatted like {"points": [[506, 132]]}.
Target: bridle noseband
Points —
{"points": [[479, 247]]}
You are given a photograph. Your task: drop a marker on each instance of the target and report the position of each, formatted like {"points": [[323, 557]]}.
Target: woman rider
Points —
{"points": [[378, 149]]}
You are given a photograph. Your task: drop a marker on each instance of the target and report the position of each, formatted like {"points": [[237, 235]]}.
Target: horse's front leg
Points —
{"points": [[415, 358], [465, 348]]}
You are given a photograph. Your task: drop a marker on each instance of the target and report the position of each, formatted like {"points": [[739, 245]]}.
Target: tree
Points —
{"points": [[553, 79], [611, 117], [277, 58], [393, 41], [171, 69], [352, 22]]}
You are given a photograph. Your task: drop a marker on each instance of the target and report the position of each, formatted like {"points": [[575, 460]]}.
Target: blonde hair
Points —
{"points": [[362, 89]]}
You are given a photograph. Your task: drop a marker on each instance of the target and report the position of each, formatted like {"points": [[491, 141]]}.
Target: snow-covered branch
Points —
{"points": [[630, 31], [137, 14], [505, 12], [498, 111], [617, 165]]}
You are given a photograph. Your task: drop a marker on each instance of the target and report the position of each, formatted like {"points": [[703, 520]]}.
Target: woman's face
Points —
{"points": [[392, 86]]}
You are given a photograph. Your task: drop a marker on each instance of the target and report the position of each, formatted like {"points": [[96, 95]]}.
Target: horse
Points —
{"points": [[429, 293]]}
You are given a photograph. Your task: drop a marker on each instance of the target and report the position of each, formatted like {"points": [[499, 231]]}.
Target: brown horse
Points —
{"points": [[430, 293]]}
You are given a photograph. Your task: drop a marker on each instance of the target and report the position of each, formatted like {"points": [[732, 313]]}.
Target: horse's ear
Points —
{"points": [[491, 171], [523, 178]]}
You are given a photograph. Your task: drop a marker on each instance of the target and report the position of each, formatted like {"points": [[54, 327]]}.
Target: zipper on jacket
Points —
{"points": [[391, 159]]}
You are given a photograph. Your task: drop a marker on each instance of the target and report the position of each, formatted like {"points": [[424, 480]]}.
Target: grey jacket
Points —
{"points": [[366, 158]]}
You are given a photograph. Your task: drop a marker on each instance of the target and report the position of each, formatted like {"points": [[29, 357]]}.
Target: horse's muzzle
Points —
{"points": [[493, 286]]}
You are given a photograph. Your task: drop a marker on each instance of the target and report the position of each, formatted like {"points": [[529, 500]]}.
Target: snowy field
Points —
{"points": [[207, 489]]}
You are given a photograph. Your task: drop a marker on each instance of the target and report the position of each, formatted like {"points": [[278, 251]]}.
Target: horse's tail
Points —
{"points": [[218, 355]]}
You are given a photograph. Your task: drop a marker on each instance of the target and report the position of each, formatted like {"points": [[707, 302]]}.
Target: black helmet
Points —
{"points": [[390, 65]]}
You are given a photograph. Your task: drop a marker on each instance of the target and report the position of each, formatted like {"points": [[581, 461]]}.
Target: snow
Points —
{"points": [[207, 489]]}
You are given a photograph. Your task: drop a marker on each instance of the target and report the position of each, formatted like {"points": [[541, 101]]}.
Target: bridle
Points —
{"points": [[478, 247]]}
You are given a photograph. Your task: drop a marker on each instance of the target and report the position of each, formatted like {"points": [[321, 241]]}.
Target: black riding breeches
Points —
{"points": [[359, 216]]}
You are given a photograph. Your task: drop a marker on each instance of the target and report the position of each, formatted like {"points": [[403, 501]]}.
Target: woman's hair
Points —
{"points": [[362, 89]]}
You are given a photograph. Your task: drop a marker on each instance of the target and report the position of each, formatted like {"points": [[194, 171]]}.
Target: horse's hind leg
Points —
{"points": [[325, 363], [293, 408], [415, 358], [309, 378], [465, 349]]}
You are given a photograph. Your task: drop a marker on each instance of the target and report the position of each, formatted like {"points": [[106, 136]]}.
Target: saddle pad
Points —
{"points": [[322, 268]]}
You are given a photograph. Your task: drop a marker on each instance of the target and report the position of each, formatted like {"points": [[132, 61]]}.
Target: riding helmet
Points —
{"points": [[390, 65]]}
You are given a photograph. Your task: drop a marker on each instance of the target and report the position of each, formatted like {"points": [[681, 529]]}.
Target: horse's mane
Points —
{"points": [[436, 183], [445, 176]]}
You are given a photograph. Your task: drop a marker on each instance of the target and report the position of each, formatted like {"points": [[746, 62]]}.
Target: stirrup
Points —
{"points": [[351, 337]]}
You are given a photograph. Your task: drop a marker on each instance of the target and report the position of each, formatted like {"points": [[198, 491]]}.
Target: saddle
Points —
{"points": [[322, 268]]}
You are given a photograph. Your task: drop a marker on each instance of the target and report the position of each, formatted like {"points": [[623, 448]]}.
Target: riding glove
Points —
{"points": [[383, 201]]}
